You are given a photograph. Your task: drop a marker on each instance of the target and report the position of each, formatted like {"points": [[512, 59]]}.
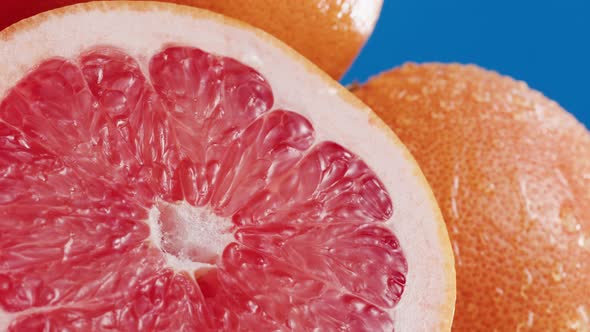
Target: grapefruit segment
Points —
{"points": [[288, 295], [328, 184], [177, 188], [268, 148], [152, 305], [336, 255]]}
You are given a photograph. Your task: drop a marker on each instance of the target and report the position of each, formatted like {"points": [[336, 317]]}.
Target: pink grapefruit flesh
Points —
{"points": [[282, 230], [175, 191]]}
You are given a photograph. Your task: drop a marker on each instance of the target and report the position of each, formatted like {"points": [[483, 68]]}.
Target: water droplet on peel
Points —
{"points": [[584, 242], [527, 284], [427, 89], [531, 319], [498, 298], [528, 223], [458, 260], [405, 121], [437, 115], [482, 97], [558, 274], [584, 314], [549, 309], [414, 79], [568, 219], [484, 237], [519, 115], [489, 189], [446, 105], [521, 101], [529, 277], [552, 240], [497, 143], [580, 321], [459, 88], [454, 195]]}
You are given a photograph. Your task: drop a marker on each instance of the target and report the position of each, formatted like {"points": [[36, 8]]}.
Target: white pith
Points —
{"points": [[199, 225], [142, 32], [5, 320]]}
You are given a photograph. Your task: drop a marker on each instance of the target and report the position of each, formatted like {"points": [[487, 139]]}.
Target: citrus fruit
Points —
{"points": [[511, 172], [328, 32], [202, 176]]}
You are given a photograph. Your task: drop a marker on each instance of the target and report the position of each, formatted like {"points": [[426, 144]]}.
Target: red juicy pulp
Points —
{"points": [[88, 147]]}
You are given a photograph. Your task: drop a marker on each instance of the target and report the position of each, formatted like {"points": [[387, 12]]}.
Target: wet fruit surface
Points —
{"points": [[179, 199], [511, 172], [330, 33]]}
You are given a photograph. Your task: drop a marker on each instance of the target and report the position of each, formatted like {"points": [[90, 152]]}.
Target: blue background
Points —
{"points": [[545, 43]]}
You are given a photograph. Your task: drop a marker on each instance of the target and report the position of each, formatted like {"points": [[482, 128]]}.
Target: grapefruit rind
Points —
{"points": [[335, 113]]}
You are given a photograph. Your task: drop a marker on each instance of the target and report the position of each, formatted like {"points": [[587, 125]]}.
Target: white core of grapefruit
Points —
{"points": [[142, 29], [197, 224]]}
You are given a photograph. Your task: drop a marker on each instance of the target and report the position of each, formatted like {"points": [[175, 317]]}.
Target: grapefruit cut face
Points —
{"points": [[201, 177]]}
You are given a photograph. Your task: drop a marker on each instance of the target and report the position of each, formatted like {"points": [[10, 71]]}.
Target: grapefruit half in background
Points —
{"points": [[202, 176], [328, 32], [511, 172]]}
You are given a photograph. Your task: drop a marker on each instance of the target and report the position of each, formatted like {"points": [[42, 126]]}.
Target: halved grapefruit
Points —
{"points": [[201, 176]]}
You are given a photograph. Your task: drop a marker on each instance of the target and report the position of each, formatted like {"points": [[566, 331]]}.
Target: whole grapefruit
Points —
{"points": [[328, 32], [511, 172]]}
